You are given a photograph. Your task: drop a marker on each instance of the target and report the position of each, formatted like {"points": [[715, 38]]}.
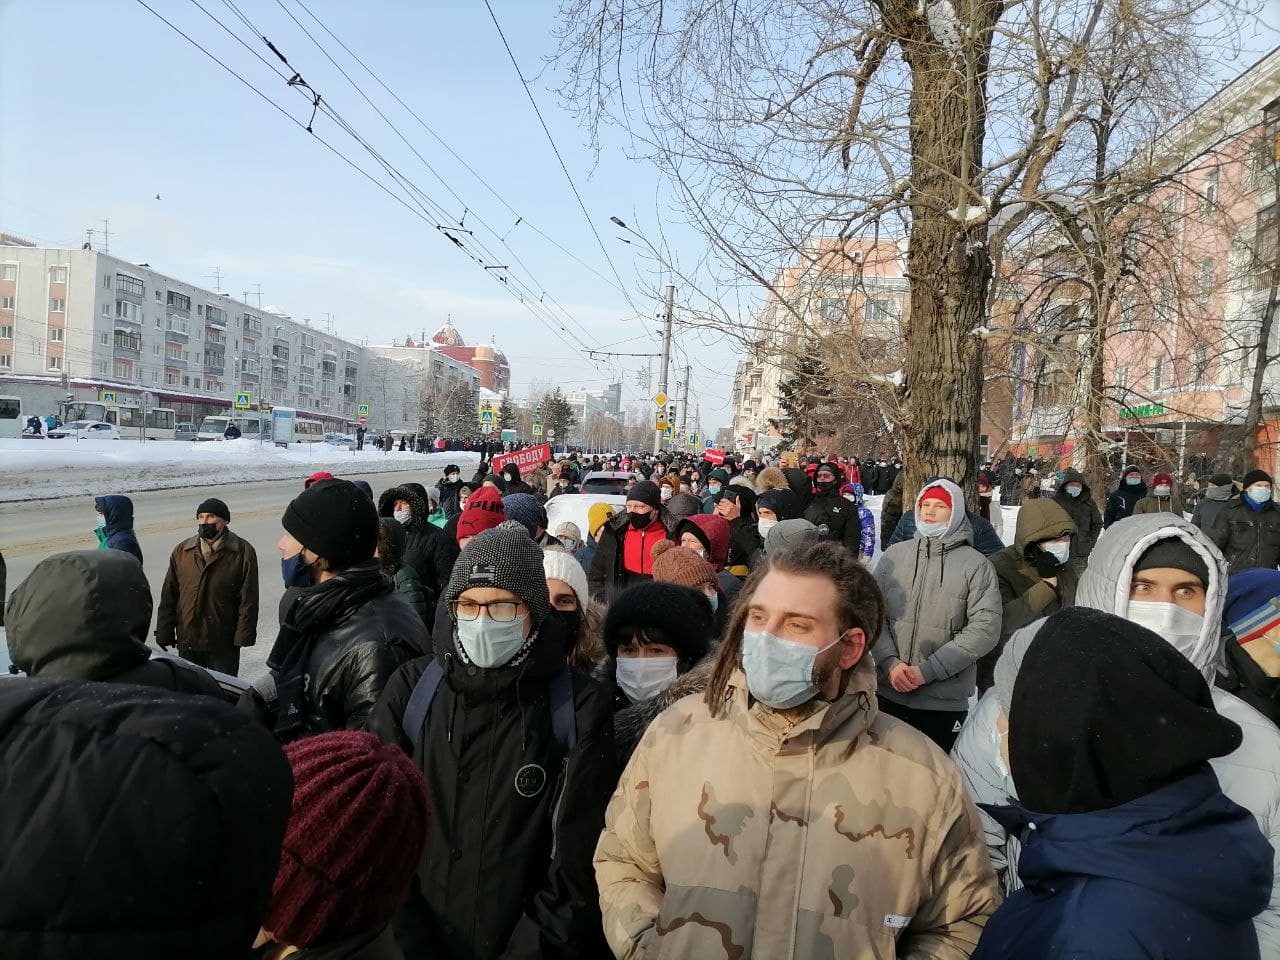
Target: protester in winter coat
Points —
{"points": [[342, 638], [1074, 496], [1125, 497], [435, 515], [708, 536], [568, 536], [681, 507], [1132, 849], [1160, 571], [943, 615], [1217, 492], [450, 489], [702, 838], [390, 554], [1247, 530], [653, 633], [737, 504], [115, 525], [528, 511], [717, 480], [866, 522], [84, 616], [511, 476], [1163, 497], [686, 568], [1252, 615], [356, 831], [136, 824], [583, 619], [986, 510], [517, 751], [623, 554], [209, 601], [1037, 574], [985, 540], [410, 508], [834, 517], [771, 478], [597, 515]]}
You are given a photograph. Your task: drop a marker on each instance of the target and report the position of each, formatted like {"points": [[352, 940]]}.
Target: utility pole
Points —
{"points": [[666, 353], [684, 400]]}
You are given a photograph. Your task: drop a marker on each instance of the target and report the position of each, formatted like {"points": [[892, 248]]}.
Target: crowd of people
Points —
{"points": [[729, 718]]}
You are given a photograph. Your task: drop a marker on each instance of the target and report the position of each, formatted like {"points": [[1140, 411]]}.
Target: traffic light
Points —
{"points": [[671, 413]]}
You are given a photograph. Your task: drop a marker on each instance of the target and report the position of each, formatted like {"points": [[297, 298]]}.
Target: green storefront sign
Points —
{"points": [[1145, 410]]}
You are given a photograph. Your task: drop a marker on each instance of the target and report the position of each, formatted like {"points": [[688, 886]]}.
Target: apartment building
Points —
{"points": [[416, 387], [84, 322]]}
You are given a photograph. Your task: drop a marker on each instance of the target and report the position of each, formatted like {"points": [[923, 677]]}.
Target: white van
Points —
{"points": [[12, 419]]}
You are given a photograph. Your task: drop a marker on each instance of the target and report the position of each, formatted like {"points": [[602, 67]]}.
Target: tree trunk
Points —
{"points": [[1253, 418], [948, 263]]}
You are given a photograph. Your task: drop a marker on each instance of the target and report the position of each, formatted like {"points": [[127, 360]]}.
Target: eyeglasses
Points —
{"points": [[500, 611]]}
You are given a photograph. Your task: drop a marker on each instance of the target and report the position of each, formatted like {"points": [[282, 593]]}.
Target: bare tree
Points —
{"points": [[946, 123]]}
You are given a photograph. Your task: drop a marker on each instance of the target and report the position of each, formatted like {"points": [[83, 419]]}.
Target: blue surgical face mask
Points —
{"points": [[1259, 494], [1133, 481], [296, 572], [488, 643], [1074, 491], [779, 672], [713, 488], [101, 524], [641, 678]]}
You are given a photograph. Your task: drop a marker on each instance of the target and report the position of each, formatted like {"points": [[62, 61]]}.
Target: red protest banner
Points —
{"points": [[525, 459], [714, 456]]}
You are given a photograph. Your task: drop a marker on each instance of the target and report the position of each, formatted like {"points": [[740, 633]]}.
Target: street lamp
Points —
{"points": [[617, 221]]}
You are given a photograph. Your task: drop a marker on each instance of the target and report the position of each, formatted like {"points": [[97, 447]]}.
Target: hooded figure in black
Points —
{"points": [[84, 616], [342, 638], [1125, 497], [664, 632], [420, 533], [1130, 848], [519, 795], [116, 531], [138, 824], [450, 487], [834, 516]]}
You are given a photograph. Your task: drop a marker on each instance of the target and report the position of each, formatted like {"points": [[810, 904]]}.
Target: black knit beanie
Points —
{"points": [[1255, 476], [214, 507], [1176, 554], [683, 615], [646, 491], [333, 519], [1104, 711]]}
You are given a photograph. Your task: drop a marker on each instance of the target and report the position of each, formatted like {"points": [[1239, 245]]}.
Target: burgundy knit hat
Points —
{"points": [[483, 511], [355, 836]]}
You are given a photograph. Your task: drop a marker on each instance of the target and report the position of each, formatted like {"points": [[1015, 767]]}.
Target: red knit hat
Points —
{"points": [[937, 493], [316, 478], [1162, 479], [355, 835], [484, 511]]}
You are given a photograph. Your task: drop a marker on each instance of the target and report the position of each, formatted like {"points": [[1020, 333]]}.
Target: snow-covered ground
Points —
{"points": [[45, 469]]}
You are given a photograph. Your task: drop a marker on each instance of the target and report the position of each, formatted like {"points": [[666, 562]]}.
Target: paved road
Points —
{"points": [[30, 532]]}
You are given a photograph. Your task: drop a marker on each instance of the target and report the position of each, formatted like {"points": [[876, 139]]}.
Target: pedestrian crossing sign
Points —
{"points": [[108, 396], [243, 401], [668, 433], [693, 439], [486, 415], [362, 410], [537, 429]]}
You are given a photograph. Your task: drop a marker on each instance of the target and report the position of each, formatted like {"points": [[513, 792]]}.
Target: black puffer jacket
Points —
{"points": [[84, 616], [836, 519], [1247, 537], [338, 646], [1083, 511], [420, 535], [505, 873], [137, 823]]}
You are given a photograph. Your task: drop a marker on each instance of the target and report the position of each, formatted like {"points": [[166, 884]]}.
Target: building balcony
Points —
{"points": [[176, 336], [126, 349], [328, 371], [280, 355], [248, 376], [133, 296], [279, 381], [174, 363], [306, 389], [216, 367], [214, 333], [129, 320], [331, 353]]}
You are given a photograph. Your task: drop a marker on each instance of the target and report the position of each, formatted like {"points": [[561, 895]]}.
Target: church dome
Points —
{"points": [[448, 336]]}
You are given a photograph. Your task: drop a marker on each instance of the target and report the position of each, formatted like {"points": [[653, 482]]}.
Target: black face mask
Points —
{"points": [[640, 520], [826, 486], [208, 531]]}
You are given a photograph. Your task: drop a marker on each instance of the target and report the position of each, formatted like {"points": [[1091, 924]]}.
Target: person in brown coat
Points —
{"points": [[209, 601]]}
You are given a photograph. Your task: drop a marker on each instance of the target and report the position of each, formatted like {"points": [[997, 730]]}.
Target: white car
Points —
{"points": [[573, 507], [85, 430]]}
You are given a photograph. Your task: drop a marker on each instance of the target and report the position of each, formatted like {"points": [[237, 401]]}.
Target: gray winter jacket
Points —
{"points": [[1250, 776], [1214, 499], [944, 609]]}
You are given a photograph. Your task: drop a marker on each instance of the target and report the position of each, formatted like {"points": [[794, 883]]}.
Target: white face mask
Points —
{"points": [[488, 643], [1180, 627], [403, 516], [1059, 551], [666, 494], [643, 677], [932, 528], [1162, 491], [764, 526]]}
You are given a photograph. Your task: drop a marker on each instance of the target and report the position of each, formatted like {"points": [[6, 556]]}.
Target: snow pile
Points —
{"points": [[46, 469]]}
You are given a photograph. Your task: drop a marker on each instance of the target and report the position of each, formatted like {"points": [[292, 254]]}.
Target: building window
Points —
{"points": [[55, 334], [57, 305], [186, 381], [6, 303], [1199, 366], [105, 338], [106, 282], [106, 309], [833, 309], [179, 301], [1204, 282], [1266, 233], [8, 271], [1157, 374], [1209, 193], [155, 376], [122, 370], [5, 361], [57, 274], [155, 349], [55, 363], [6, 333], [130, 285], [159, 298]]}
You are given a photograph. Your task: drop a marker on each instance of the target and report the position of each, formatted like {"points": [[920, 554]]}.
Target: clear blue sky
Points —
{"points": [[102, 107]]}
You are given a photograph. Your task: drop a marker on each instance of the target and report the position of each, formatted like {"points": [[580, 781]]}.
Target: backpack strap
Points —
{"points": [[564, 721], [424, 691]]}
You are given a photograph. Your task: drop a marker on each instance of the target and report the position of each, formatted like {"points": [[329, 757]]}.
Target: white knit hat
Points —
{"points": [[559, 565]]}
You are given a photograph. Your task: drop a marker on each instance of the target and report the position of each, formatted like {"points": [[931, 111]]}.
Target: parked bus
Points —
{"points": [[12, 419], [158, 423], [252, 426], [308, 431]]}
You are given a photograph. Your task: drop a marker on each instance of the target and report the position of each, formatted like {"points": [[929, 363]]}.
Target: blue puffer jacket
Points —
{"points": [[1175, 875], [118, 533]]}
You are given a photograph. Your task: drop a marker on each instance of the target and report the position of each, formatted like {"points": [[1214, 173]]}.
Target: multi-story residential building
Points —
{"points": [[418, 388], [80, 323], [1183, 333]]}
